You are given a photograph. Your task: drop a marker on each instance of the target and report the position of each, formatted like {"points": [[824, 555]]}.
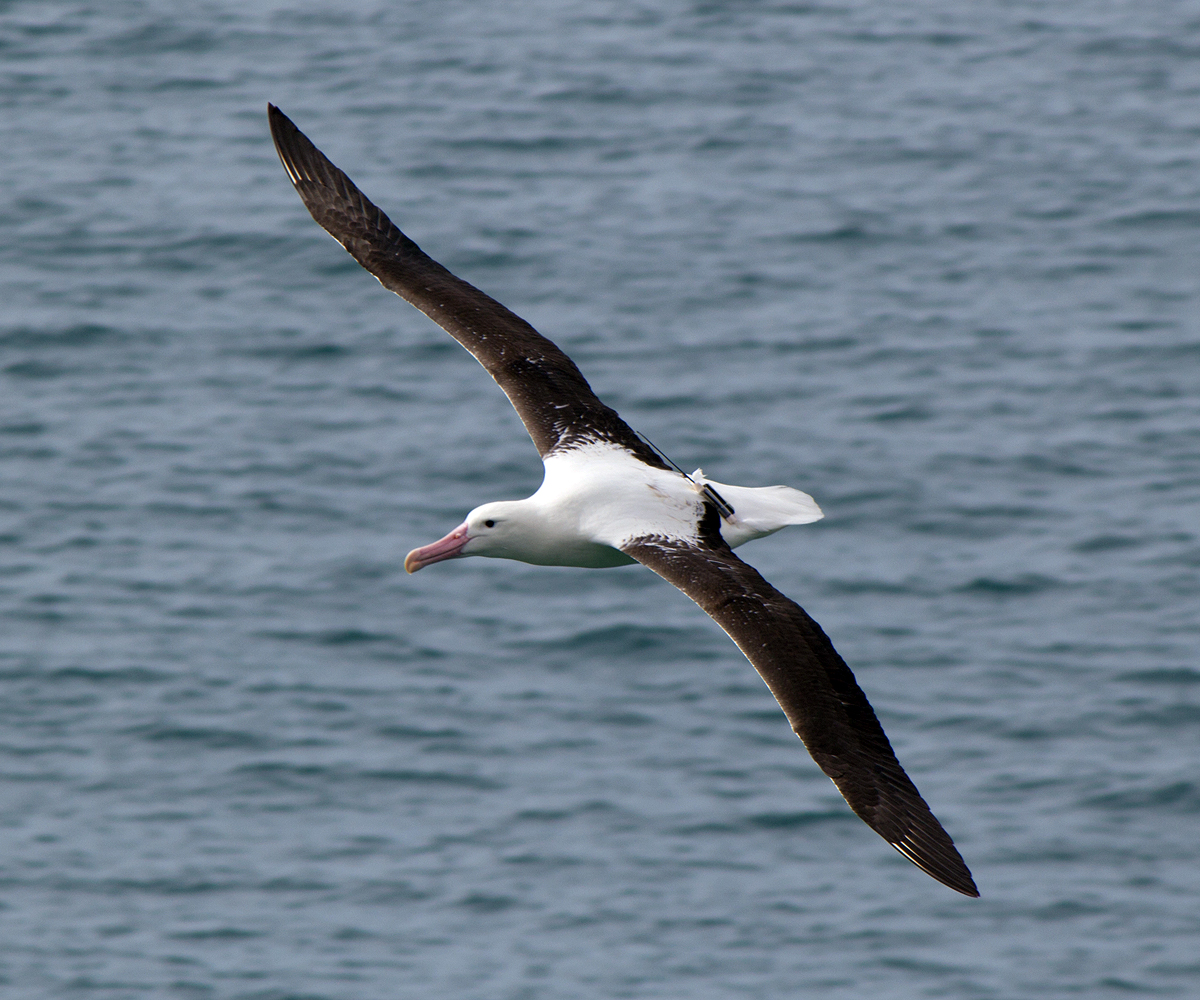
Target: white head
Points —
{"points": [[505, 529]]}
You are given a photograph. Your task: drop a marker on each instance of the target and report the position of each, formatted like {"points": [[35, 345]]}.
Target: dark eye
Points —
{"points": [[489, 523]]}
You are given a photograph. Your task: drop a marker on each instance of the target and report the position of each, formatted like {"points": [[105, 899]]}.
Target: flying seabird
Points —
{"points": [[609, 497]]}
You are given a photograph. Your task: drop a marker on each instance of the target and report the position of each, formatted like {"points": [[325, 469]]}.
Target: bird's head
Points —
{"points": [[495, 529]]}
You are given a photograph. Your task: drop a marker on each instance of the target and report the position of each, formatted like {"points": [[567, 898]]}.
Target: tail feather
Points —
{"points": [[761, 510]]}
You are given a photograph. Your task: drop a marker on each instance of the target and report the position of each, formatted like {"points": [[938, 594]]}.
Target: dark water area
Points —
{"points": [[935, 264]]}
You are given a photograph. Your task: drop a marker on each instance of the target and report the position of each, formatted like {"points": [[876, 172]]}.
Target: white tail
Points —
{"points": [[760, 510]]}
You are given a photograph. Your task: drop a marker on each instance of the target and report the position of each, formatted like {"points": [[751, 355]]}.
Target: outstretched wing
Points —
{"points": [[815, 689], [550, 395]]}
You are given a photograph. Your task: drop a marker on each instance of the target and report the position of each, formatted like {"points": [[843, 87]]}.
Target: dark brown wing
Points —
{"points": [[550, 395], [816, 690]]}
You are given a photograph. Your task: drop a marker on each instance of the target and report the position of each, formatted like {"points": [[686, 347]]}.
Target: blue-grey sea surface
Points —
{"points": [[935, 263]]}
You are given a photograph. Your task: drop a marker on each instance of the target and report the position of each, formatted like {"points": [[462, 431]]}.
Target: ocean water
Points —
{"points": [[934, 263]]}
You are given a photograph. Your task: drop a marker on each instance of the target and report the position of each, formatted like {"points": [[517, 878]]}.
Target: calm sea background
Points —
{"points": [[935, 263]]}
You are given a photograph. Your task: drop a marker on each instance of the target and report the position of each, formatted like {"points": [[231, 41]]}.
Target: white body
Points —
{"points": [[596, 498]]}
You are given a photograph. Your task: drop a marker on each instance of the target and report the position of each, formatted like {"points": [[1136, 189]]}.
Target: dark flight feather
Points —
{"points": [[551, 396], [815, 689]]}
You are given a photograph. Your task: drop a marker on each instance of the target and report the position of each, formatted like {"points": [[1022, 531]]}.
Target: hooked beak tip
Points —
{"points": [[446, 548]]}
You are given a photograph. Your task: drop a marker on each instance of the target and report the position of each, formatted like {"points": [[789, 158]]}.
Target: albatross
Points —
{"points": [[609, 498]]}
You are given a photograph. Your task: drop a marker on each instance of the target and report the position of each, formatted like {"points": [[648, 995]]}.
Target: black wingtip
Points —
{"points": [[939, 860], [316, 179], [277, 119], [290, 143], [959, 880]]}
